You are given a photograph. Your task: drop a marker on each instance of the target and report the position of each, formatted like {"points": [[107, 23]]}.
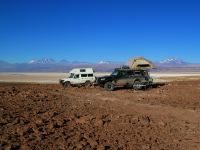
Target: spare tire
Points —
{"points": [[137, 85], [109, 86]]}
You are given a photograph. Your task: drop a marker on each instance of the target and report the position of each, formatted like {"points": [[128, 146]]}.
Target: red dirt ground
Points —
{"points": [[39, 116]]}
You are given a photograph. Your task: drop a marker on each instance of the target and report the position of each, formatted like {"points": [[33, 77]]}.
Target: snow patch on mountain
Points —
{"points": [[41, 61], [173, 60], [104, 62]]}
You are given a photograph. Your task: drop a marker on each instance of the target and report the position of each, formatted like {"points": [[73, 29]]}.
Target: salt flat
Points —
{"points": [[168, 77], [52, 77]]}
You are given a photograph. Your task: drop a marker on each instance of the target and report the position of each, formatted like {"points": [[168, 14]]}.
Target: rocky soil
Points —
{"points": [[47, 116]]}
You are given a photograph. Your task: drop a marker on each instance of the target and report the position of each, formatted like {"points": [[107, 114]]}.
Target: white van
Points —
{"points": [[79, 76]]}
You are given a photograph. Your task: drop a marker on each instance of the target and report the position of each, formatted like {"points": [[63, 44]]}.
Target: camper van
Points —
{"points": [[79, 76]]}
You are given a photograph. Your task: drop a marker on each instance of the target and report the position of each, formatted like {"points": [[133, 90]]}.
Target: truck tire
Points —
{"points": [[136, 85], [87, 84], [109, 86], [67, 84]]}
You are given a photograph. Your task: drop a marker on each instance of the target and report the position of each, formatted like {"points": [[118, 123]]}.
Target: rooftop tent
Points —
{"points": [[140, 63]]}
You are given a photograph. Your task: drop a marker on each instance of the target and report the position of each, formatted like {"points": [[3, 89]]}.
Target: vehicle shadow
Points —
{"points": [[149, 87]]}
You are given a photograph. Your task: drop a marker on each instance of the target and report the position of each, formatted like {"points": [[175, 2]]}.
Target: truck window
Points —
{"points": [[145, 73], [137, 73], [83, 75], [130, 73], [121, 73], [90, 75], [115, 73]]}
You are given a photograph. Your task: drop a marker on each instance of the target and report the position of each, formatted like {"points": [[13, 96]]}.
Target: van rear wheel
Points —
{"points": [[67, 84], [87, 84]]}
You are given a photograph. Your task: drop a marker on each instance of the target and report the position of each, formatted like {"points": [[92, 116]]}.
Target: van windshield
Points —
{"points": [[71, 75]]}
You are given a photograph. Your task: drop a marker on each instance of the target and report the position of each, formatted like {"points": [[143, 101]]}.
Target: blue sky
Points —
{"points": [[94, 30]]}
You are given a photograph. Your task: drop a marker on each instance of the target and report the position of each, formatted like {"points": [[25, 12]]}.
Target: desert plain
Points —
{"points": [[38, 113]]}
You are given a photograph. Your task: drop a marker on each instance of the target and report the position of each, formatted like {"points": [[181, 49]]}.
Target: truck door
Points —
{"points": [[121, 78], [125, 78]]}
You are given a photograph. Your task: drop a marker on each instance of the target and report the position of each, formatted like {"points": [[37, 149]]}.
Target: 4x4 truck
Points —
{"points": [[121, 77], [136, 75]]}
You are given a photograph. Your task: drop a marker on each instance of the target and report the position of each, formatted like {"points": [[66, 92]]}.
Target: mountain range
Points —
{"points": [[50, 65]]}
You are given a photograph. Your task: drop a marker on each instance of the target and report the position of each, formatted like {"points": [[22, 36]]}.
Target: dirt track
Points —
{"points": [[34, 116]]}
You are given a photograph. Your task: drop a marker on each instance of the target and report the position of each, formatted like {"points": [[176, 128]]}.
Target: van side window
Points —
{"points": [[82, 70], [83, 75], [90, 75], [76, 76]]}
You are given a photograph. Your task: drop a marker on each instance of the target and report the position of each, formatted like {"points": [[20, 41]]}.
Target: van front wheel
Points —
{"points": [[67, 84]]}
